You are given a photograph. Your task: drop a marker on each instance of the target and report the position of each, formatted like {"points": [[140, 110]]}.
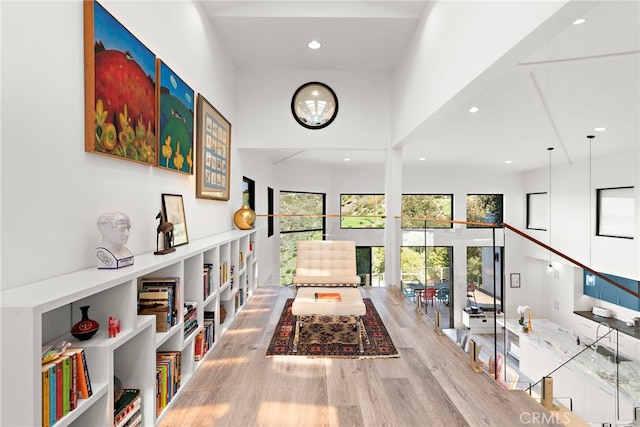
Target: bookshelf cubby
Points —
{"points": [[43, 312]]}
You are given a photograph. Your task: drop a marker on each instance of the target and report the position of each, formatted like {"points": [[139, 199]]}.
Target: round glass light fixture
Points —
{"points": [[314, 105]]}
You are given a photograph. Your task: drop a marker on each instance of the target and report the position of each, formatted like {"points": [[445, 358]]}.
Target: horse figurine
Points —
{"points": [[166, 228]]}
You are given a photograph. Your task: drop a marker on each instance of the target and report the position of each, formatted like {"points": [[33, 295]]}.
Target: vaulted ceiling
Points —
{"points": [[583, 77]]}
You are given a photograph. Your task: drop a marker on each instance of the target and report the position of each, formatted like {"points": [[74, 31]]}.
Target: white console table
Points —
{"points": [[481, 323]]}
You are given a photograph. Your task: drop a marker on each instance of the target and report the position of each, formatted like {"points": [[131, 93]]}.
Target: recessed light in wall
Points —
{"points": [[600, 129], [422, 159], [473, 110], [579, 21], [346, 159], [314, 44]]}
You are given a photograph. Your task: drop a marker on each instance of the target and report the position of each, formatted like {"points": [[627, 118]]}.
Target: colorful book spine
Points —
{"points": [[66, 385], [53, 376]]}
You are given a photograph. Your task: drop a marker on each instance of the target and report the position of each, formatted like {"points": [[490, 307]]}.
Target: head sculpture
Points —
{"points": [[114, 227]]}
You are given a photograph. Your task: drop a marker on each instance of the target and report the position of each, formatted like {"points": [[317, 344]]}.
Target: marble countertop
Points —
{"points": [[549, 336]]}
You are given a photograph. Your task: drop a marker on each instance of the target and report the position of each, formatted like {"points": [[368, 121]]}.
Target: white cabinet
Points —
{"points": [[40, 313]]}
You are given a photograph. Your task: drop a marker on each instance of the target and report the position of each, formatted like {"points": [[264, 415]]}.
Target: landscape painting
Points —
{"points": [[175, 115], [120, 90]]}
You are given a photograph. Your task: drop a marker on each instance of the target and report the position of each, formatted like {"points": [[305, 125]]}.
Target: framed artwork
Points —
{"points": [[120, 89], [514, 280], [173, 208], [175, 120], [213, 140]]}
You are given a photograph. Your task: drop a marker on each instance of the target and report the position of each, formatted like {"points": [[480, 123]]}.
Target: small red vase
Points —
{"points": [[85, 328]]}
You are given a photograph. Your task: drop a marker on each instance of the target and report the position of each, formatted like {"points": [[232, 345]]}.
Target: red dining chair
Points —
{"points": [[429, 295]]}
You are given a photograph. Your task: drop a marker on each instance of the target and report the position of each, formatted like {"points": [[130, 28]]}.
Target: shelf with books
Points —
{"points": [[47, 309]]}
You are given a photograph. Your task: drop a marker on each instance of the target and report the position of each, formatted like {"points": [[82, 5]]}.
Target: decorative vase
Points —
{"points": [[85, 328], [244, 218]]}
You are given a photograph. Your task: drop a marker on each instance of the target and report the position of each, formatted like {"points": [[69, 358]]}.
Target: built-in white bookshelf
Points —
{"points": [[43, 312]]}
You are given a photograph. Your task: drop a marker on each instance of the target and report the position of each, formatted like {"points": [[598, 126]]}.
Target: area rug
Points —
{"points": [[332, 336]]}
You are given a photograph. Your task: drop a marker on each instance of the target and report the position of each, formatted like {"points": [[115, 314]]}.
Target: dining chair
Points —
{"points": [[442, 295], [429, 295]]}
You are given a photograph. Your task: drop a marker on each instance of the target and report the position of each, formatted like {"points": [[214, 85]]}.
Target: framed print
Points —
{"points": [[173, 208], [120, 89], [175, 120], [514, 280], [213, 140]]}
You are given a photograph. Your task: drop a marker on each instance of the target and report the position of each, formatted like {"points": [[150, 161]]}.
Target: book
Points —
{"points": [[132, 410], [52, 393], [328, 296], [66, 385], [73, 392], [135, 419], [125, 404], [47, 371], [59, 380], [83, 382]]}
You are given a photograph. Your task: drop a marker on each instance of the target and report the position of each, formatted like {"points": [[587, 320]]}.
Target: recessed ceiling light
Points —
{"points": [[422, 159], [314, 44], [473, 109], [508, 162], [346, 159], [579, 21], [600, 129]]}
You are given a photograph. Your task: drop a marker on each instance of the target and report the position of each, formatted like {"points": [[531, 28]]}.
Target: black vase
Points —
{"points": [[85, 328]]}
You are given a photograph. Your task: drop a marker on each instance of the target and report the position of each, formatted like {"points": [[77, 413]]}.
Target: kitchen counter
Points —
{"points": [[562, 344], [613, 323]]}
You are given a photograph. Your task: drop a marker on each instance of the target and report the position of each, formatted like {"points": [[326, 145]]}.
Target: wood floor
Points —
{"points": [[430, 384]]}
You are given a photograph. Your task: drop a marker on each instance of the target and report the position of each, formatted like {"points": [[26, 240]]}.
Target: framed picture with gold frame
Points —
{"points": [[213, 162]]}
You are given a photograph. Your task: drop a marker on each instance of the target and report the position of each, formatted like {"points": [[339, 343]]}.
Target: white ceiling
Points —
{"points": [[585, 76]]}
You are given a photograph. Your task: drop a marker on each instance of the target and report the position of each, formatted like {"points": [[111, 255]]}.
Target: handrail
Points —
{"points": [[571, 260]]}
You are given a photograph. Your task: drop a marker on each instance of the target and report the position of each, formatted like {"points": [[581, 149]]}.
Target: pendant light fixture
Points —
{"points": [[591, 279], [550, 265]]}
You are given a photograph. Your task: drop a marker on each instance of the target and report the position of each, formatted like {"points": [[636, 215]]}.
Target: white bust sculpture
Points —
{"points": [[112, 253]]}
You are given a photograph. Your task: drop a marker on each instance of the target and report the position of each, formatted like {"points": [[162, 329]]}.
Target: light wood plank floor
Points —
{"points": [[430, 384]]}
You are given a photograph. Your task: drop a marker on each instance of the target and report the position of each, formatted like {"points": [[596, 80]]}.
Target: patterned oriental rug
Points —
{"points": [[332, 336]]}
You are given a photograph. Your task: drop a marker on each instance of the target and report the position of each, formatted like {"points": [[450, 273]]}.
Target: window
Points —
{"points": [[301, 218], [615, 212], [486, 208], [432, 206], [537, 211], [269, 211], [362, 211], [249, 192], [487, 283]]}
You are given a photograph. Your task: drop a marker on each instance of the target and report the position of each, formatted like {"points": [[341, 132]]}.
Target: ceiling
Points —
{"points": [[583, 77]]}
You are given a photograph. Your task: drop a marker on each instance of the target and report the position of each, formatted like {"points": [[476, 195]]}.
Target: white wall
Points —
{"points": [[264, 107], [52, 190], [572, 234], [458, 41]]}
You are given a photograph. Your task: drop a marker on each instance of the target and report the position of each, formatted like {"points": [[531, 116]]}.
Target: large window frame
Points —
{"points": [[375, 220], [494, 216], [615, 212], [537, 211], [412, 209], [294, 227]]}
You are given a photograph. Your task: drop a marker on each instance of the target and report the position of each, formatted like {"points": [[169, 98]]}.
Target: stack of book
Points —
{"points": [[190, 318], [159, 297], [168, 367], [127, 410], [205, 338], [207, 280], [65, 379], [224, 273]]}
